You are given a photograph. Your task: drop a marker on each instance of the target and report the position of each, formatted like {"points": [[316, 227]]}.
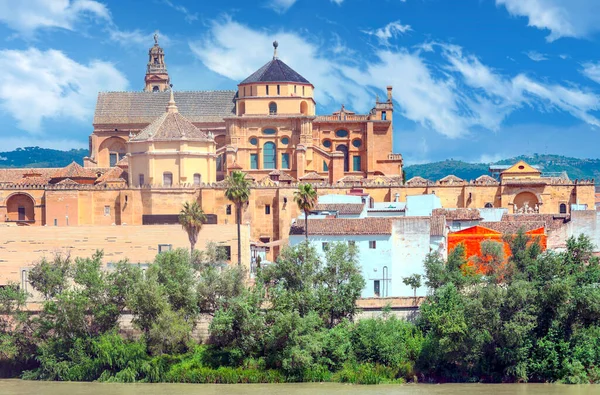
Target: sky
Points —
{"points": [[475, 80]]}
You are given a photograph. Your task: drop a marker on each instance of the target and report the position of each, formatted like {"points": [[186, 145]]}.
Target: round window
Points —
{"points": [[327, 143], [269, 131], [285, 140], [357, 143], [341, 133], [254, 141]]}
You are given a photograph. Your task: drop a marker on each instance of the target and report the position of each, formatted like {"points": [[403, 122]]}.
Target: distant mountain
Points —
{"points": [[576, 168], [41, 157]]}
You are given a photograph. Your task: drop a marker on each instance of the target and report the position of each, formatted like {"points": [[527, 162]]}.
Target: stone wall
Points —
{"points": [[20, 246]]}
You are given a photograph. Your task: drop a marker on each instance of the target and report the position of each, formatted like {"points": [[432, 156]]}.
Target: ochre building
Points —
{"points": [[155, 149]]}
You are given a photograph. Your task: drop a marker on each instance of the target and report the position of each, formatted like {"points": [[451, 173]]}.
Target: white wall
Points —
{"points": [[372, 261], [412, 243]]}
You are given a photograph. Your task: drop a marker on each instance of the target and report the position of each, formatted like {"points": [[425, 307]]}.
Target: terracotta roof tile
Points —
{"points": [[67, 181], [11, 175], [341, 208], [145, 107], [512, 228], [486, 180], [551, 221], [311, 176], [418, 181], [113, 175], [171, 126], [344, 226], [438, 225], [75, 170]]}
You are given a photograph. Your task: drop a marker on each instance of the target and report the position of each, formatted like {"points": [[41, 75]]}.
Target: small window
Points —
{"points": [[285, 141], [325, 167], [167, 179], [521, 167], [253, 161], [272, 108], [302, 91], [356, 163], [197, 179], [267, 209], [114, 158], [141, 180], [327, 143], [155, 88], [267, 89], [244, 91], [269, 131], [224, 252], [376, 288], [489, 205], [285, 161], [278, 90], [341, 133], [294, 89], [383, 116], [325, 246], [372, 244], [254, 141], [357, 143], [562, 208], [228, 209], [55, 222], [106, 211], [164, 248]]}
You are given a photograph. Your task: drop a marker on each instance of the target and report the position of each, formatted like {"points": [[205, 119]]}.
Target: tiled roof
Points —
{"points": [[114, 174], [282, 176], [235, 166], [551, 221], [344, 226], [67, 181], [487, 180], [145, 107], [75, 170], [352, 179], [275, 71], [341, 208], [459, 214], [512, 228], [451, 179], [171, 126], [32, 180], [417, 181], [311, 176], [14, 175], [438, 225]]}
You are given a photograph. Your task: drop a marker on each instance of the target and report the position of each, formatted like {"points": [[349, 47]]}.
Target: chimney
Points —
{"points": [[389, 93]]}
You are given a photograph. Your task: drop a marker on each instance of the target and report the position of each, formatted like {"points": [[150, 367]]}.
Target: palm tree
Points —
{"points": [[191, 219], [306, 199], [238, 192]]}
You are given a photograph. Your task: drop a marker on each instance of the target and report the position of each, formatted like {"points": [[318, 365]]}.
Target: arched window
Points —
{"points": [[303, 108], [562, 208], [272, 108], [489, 205], [343, 148], [155, 88], [241, 108], [167, 179], [269, 156], [197, 179]]}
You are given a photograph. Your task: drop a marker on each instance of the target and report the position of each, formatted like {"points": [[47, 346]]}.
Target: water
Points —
{"points": [[18, 387]]}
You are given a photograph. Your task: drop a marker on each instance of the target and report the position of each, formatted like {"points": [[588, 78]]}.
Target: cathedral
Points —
{"points": [[269, 124]]}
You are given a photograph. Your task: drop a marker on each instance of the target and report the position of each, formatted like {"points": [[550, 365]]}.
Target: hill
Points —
{"points": [[40, 157], [576, 168]]}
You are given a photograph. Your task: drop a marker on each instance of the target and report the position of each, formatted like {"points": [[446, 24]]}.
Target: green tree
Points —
{"points": [[238, 192], [413, 281], [191, 219], [50, 277], [306, 199]]}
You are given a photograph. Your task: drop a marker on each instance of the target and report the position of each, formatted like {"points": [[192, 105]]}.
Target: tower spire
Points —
{"points": [[275, 45], [172, 106], [157, 79]]}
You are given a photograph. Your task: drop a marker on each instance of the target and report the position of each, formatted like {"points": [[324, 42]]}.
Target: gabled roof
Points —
{"points": [[485, 179], [67, 181], [145, 107], [344, 226], [275, 71], [171, 125], [459, 214], [521, 167], [75, 170], [450, 179], [341, 208], [417, 181], [311, 177]]}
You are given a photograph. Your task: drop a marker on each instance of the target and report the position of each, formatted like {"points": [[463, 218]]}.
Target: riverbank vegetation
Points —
{"points": [[534, 316]]}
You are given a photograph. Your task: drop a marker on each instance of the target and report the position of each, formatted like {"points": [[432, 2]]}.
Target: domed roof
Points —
{"points": [[275, 71]]}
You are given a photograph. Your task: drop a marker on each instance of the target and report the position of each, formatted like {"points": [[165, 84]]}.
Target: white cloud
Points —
{"points": [[536, 56], [338, 2], [137, 38], [40, 85], [189, 16], [592, 71], [280, 6], [441, 88], [26, 16], [391, 30], [564, 18]]}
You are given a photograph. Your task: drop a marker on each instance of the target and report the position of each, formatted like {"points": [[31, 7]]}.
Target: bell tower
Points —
{"points": [[157, 79]]}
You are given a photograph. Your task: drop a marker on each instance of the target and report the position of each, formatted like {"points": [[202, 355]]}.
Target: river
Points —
{"points": [[19, 387]]}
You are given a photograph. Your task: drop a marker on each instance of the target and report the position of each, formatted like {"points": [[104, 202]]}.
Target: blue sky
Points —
{"points": [[477, 80]]}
